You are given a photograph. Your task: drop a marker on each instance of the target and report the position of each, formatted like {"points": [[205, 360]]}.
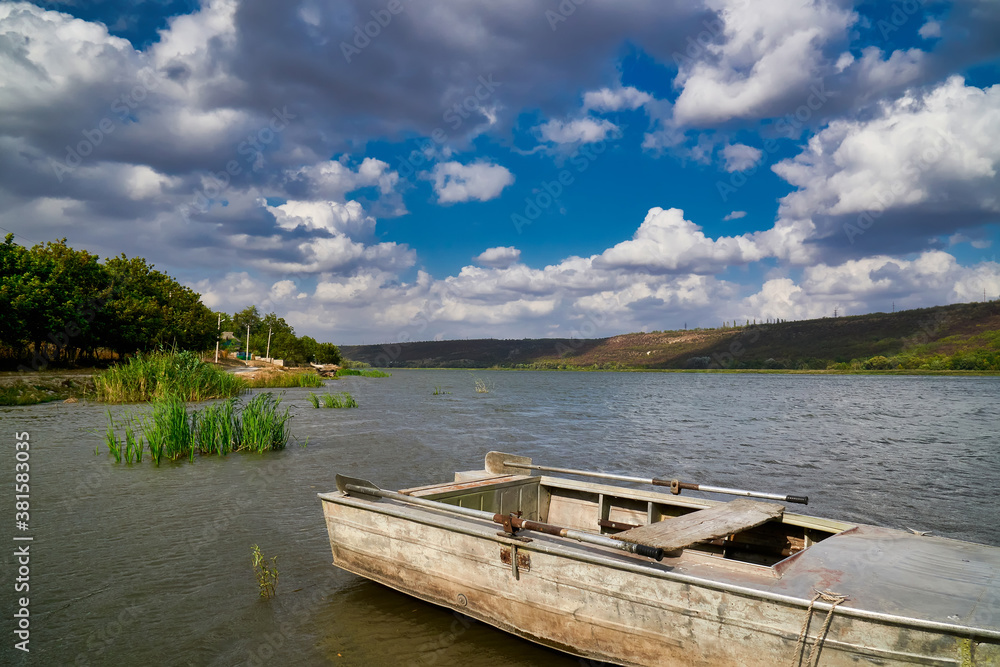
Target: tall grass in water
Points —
{"points": [[284, 379], [171, 432], [133, 441], [160, 375], [215, 428], [261, 426], [169, 425], [131, 446], [365, 372], [114, 445], [340, 400]]}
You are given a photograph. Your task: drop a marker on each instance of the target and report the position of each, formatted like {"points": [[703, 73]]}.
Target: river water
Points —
{"points": [[139, 565]]}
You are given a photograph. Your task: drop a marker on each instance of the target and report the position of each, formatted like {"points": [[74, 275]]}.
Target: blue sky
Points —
{"points": [[388, 170]]}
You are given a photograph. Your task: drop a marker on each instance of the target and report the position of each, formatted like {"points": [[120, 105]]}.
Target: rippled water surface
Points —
{"points": [[138, 565]]}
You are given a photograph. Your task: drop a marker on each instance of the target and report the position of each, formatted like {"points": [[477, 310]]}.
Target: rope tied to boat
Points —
{"points": [[826, 596]]}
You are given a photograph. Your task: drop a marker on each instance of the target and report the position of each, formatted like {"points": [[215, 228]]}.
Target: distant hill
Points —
{"points": [[956, 337]]}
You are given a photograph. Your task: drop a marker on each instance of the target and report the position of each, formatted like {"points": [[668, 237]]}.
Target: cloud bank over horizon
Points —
{"points": [[378, 172]]}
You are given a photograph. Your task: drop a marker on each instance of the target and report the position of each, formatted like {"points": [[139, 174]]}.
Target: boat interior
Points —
{"points": [[615, 510]]}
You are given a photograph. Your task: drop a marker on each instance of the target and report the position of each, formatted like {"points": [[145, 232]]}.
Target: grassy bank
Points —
{"points": [[37, 390], [281, 379], [159, 375], [171, 432], [150, 377]]}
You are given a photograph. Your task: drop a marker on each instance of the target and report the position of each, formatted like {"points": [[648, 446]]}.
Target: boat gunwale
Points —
{"points": [[593, 555]]}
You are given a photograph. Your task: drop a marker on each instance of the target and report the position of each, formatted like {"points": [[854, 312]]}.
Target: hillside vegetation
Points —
{"points": [[956, 337]]}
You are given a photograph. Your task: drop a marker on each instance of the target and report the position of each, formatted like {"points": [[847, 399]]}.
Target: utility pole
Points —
{"points": [[219, 335], [267, 355]]}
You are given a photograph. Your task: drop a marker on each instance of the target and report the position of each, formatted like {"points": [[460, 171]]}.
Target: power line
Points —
{"points": [[18, 234]]}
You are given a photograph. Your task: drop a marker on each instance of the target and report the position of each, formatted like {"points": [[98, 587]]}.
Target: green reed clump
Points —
{"points": [[364, 372], [339, 400], [134, 444], [215, 428], [111, 439], [170, 431], [158, 375], [129, 447], [262, 427], [284, 380], [170, 425]]}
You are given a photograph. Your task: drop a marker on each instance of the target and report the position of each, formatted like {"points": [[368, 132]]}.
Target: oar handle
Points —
{"points": [[676, 486], [655, 553]]}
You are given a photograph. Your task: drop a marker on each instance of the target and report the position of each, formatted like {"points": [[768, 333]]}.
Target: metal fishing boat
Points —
{"points": [[641, 577]]}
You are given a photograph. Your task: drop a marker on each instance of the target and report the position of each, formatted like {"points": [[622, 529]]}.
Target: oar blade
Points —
{"points": [[343, 481], [495, 463]]}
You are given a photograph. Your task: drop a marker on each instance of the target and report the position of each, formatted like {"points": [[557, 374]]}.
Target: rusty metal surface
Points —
{"points": [[616, 525], [523, 559]]}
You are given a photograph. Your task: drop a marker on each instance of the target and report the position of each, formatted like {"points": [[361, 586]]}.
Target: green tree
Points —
{"points": [[327, 353], [249, 316], [285, 345], [275, 324], [877, 363], [14, 294], [148, 309], [58, 298], [309, 347]]}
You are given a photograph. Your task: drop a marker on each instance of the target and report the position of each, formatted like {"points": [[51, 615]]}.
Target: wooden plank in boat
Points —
{"points": [[703, 525]]}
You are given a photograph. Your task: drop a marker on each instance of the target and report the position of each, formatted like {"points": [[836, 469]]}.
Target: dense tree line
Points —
{"points": [[63, 305]]}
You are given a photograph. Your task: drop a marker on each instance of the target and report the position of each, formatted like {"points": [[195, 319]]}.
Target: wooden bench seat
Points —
{"points": [[703, 525]]}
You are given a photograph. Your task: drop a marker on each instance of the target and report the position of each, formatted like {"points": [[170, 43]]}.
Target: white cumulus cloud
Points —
{"points": [[754, 55], [609, 99], [499, 257], [925, 148], [666, 242], [739, 157], [583, 130], [457, 182]]}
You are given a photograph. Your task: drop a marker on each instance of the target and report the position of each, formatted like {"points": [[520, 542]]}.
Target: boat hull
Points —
{"points": [[612, 607]]}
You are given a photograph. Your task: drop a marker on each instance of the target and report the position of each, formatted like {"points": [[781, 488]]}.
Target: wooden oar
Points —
{"points": [[362, 487], [500, 463]]}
